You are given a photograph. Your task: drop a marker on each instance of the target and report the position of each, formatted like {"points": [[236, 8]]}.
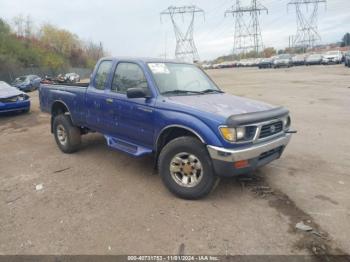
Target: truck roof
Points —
{"points": [[145, 60]]}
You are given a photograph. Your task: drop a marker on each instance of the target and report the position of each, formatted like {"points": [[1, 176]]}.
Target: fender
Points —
{"points": [[70, 101], [169, 119]]}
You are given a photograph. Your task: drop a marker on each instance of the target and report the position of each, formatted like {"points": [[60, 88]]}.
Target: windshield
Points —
{"points": [[20, 79], [175, 79], [333, 53], [285, 56], [298, 57], [315, 56]]}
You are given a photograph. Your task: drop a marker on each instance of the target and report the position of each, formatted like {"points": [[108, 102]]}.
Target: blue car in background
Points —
{"points": [[27, 83], [12, 99]]}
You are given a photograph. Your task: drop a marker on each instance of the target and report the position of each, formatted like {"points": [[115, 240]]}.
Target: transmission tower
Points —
{"points": [[247, 36], [185, 46], [307, 32]]}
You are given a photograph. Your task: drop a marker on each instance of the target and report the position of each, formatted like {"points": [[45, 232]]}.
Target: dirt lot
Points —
{"points": [[99, 201]]}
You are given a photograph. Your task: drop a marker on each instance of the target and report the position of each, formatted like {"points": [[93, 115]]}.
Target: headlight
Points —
{"points": [[286, 122], [22, 97], [228, 134], [233, 134]]}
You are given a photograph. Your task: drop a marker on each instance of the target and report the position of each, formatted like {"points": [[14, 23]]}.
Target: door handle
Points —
{"points": [[109, 100]]}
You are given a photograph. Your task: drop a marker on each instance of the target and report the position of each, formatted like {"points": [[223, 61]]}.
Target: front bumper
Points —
{"points": [[282, 64], [14, 106], [330, 60], [257, 155]]}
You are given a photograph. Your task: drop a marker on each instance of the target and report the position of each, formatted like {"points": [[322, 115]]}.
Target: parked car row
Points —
{"points": [[287, 60], [30, 83]]}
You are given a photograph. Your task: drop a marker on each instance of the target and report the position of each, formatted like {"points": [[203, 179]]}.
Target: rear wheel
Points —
{"points": [[186, 168], [67, 136]]}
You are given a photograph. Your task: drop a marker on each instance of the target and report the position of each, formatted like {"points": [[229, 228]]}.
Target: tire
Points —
{"points": [[187, 149], [67, 136]]}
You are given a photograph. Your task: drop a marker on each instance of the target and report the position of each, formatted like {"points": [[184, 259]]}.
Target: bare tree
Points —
{"points": [[28, 27], [19, 25]]}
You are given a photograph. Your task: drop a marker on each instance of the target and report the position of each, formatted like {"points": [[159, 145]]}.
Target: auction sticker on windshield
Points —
{"points": [[159, 68]]}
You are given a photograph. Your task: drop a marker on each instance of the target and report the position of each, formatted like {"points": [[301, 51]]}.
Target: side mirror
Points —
{"points": [[137, 92]]}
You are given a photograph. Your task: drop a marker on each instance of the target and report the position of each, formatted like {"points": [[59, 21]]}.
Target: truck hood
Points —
{"points": [[7, 91], [224, 105]]}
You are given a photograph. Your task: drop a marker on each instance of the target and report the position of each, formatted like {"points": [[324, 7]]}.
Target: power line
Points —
{"points": [[185, 46], [247, 36], [307, 31]]}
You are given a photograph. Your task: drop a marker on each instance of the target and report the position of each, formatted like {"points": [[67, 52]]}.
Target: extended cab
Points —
{"points": [[171, 110]]}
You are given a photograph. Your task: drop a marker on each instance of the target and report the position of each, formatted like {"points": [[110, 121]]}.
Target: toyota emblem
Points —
{"points": [[272, 129]]}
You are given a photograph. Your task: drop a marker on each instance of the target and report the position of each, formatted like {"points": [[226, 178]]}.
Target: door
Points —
{"points": [[97, 99], [135, 116]]}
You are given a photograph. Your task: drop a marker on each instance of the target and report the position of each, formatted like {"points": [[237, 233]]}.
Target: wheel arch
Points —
{"points": [[58, 107], [171, 132]]}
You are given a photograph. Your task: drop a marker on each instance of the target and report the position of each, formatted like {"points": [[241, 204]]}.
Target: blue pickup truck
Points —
{"points": [[173, 111]]}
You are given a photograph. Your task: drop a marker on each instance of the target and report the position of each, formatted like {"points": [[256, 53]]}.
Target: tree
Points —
{"points": [[59, 40], [4, 27], [19, 25], [269, 51], [28, 27], [346, 40], [21, 45]]}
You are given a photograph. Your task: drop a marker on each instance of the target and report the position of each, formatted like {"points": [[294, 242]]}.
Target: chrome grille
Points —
{"points": [[271, 129]]}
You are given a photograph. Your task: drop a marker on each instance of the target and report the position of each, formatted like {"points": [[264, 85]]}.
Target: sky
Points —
{"points": [[134, 27]]}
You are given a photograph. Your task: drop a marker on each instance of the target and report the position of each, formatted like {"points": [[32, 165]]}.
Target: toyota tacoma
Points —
{"points": [[173, 111]]}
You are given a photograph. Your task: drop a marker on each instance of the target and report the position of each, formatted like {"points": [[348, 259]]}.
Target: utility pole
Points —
{"points": [[185, 47], [247, 35], [307, 31]]}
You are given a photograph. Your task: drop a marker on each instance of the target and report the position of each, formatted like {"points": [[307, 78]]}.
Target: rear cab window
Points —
{"points": [[102, 74]]}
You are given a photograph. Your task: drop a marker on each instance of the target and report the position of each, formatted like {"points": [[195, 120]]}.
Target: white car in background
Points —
{"points": [[332, 57], [72, 78]]}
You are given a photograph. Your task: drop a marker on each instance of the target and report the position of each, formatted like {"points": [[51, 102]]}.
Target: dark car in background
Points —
{"points": [[266, 63], [27, 83], [314, 59], [284, 60], [347, 59], [12, 99]]}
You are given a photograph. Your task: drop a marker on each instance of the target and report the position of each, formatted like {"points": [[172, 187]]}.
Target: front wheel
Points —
{"points": [[186, 168], [67, 136]]}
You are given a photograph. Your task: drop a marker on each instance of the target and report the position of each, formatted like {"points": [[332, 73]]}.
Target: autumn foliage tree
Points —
{"points": [[22, 45]]}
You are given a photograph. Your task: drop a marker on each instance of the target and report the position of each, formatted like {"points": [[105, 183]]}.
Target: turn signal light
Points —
{"points": [[241, 164]]}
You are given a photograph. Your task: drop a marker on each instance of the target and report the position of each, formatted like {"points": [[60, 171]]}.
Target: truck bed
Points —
{"points": [[73, 95]]}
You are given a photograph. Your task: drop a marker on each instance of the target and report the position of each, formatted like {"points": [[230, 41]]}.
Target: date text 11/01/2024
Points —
{"points": [[173, 258]]}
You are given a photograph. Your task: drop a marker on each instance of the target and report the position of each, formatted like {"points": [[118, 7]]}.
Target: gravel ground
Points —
{"points": [[99, 201]]}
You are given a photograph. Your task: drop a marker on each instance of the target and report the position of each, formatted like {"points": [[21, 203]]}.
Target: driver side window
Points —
{"points": [[128, 75]]}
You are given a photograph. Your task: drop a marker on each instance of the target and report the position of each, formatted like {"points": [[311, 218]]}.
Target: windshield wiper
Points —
{"points": [[177, 91], [211, 91]]}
